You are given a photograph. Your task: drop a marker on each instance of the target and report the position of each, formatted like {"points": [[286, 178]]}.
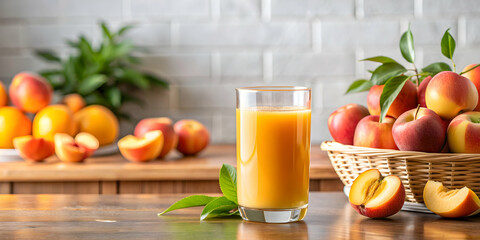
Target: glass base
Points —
{"points": [[273, 215]]}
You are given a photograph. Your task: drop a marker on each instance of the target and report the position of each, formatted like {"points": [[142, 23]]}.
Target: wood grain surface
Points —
{"points": [[135, 217], [205, 166]]}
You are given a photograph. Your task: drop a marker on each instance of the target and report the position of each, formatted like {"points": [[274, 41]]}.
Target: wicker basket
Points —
{"points": [[413, 168]]}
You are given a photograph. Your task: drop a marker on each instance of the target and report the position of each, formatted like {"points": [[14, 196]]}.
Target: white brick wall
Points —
{"points": [[208, 47]]}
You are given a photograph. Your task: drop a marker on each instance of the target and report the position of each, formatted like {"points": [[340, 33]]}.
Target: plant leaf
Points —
{"points": [[385, 72], [390, 91], [91, 83], [191, 201], [218, 207], [106, 31], [48, 56], [124, 29], [407, 47], [437, 67], [448, 44], [156, 80], [228, 182], [361, 85], [379, 59], [114, 96]]}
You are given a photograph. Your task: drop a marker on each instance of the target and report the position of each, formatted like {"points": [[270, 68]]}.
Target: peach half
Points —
{"points": [[69, 149], [375, 196], [142, 149], [447, 203], [33, 149]]}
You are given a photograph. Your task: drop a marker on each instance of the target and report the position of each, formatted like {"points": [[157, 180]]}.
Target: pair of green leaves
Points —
{"points": [[394, 76], [223, 206]]}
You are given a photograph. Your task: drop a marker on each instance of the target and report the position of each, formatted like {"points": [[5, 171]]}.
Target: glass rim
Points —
{"points": [[273, 89]]}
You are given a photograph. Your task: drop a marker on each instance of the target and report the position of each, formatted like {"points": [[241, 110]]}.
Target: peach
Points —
{"points": [[343, 121], [464, 133], [52, 120], [30, 92], [371, 133], [450, 203], [13, 123], [421, 91], [69, 149], [193, 136], [142, 149], [163, 124], [449, 94], [474, 76], [98, 121], [406, 100], [375, 196], [74, 102], [3, 96], [419, 130], [33, 149]]}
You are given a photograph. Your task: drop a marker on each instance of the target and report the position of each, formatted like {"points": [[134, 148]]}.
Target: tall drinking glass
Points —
{"points": [[273, 153]]}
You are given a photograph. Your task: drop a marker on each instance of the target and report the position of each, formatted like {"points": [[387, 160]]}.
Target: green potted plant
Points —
{"points": [[103, 74]]}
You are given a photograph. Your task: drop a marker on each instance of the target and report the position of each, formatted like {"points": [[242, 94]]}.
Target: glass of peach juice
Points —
{"points": [[273, 152]]}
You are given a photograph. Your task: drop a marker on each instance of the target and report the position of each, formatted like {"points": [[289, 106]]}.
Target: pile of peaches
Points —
{"points": [[74, 131], [440, 115]]}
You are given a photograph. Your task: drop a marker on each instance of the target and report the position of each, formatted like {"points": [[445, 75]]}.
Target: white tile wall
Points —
{"points": [[208, 47]]}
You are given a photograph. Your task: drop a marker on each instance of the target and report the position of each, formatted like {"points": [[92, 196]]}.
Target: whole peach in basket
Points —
{"points": [[474, 76], [419, 130], [30, 92], [464, 133], [74, 102], [406, 100], [449, 94], [343, 121], [371, 133], [421, 91]]}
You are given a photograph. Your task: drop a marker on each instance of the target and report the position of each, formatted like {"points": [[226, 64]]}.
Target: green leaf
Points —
{"points": [[361, 85], [385, 72], [228, 182], [218, 207], [437, 67], [133, 77], [406, 46], [48, 56], [156, 80], [91, 83], [379, 59], [114, 96], [106, 31], [390, 91], [448, 44], [191, 201], [124, 29]]}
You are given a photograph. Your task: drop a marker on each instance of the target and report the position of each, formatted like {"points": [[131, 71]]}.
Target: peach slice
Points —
{"points": [[375, 196], [69, 149], [142, 149], [447, 203], [33, 149]]}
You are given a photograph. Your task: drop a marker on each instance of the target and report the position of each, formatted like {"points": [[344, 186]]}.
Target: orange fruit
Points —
{"points": [[74, 101], [53, 119], [13, 123], [3, 95], [98, 121]]}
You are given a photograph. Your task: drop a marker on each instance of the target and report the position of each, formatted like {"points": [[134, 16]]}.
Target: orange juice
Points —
{"points": [[273, 157]]}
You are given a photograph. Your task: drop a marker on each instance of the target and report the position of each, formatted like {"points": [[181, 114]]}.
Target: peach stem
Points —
{"points": [[416, 112]]}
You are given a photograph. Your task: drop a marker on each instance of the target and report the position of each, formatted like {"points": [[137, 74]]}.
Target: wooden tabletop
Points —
{"points": [[205, 166], [135, 217]]}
